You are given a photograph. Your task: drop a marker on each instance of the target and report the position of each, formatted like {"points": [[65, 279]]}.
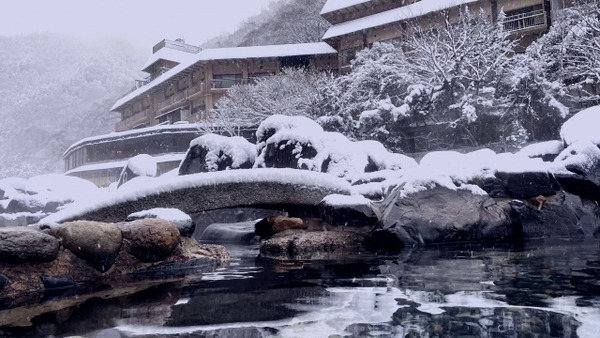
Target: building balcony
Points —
{"points": [[524, 21], [134, 120], [180, 96]]}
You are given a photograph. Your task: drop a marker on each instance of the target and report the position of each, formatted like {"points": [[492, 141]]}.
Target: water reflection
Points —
{"points": [[542, 290]]}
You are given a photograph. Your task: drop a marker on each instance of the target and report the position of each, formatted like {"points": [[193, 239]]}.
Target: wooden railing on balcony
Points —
{"points": [[523, 21], [135, 119], [180, 96]]}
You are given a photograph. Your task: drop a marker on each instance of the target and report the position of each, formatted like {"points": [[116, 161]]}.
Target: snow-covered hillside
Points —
{"points": [[55, 90]]}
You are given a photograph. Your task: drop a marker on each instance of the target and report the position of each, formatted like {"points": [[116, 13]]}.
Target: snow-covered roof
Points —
{"points": [[168, 54], [253, 52], [393, 15], [160, 129], [120, 164], [336, 5]]}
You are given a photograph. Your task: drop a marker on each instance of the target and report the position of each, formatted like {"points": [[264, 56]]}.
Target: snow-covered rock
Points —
{"points": [[212, 152], [183, 221], [437, 215], [302, 144], [547, 151], [583, 126], [142, 165], [275, 123], [353, 210]]}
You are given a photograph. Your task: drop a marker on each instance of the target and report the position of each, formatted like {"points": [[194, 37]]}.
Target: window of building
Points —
{"points": [[226, 80], [170, 117]]}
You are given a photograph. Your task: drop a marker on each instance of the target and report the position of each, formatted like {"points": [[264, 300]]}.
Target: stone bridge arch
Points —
{"points": [[193, 194]]}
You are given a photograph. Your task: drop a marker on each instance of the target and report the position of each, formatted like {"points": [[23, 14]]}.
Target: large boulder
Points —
{"points": [[212, 152], [25, 203], [526, 185], [272, 225], [150, 240], [353, 210], [142, 165], [183, 221], [440, 215], [560, 216], [96, 243], [23, 245], [312, 245], [581, 174]]}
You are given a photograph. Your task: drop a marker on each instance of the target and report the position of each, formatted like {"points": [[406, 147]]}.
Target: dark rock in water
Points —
{"points": [[580, 185], [96, 243], [480, 322], [440, 215], [525, 185], [2, 192], [347, 210], [150, 240], [3, 281], [23, 245], [561, 216], [312, 245], [229, 232], [212, 152]]}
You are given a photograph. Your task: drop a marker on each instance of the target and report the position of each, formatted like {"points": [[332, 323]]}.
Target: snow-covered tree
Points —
{"points": [[463, 65], [558, 74], [294, 92]]}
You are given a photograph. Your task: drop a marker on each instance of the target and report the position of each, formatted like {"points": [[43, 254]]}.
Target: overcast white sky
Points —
{"points": [[143, 21]]}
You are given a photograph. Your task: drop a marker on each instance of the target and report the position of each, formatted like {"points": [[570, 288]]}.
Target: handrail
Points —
{"points": [[525, 20]]}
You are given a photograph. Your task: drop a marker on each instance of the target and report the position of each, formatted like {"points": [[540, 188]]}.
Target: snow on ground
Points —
{"points": [[583, 126], [382, 158], [238, 148]]}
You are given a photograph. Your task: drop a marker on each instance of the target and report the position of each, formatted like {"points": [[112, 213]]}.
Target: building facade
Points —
{"points": [[357, 24], [185, 85]]}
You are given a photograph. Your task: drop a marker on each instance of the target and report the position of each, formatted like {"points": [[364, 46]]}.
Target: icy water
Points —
{"points": [[540, 290]]}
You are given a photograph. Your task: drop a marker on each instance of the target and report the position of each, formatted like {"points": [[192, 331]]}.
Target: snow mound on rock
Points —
{"points": [[298, 142], [582, 154], [238, 148], [542, 148], [173, 215], [583, 126], [142, 165]]}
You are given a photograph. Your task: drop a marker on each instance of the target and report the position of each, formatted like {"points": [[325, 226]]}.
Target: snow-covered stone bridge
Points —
{"points": [[209, 191]]}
